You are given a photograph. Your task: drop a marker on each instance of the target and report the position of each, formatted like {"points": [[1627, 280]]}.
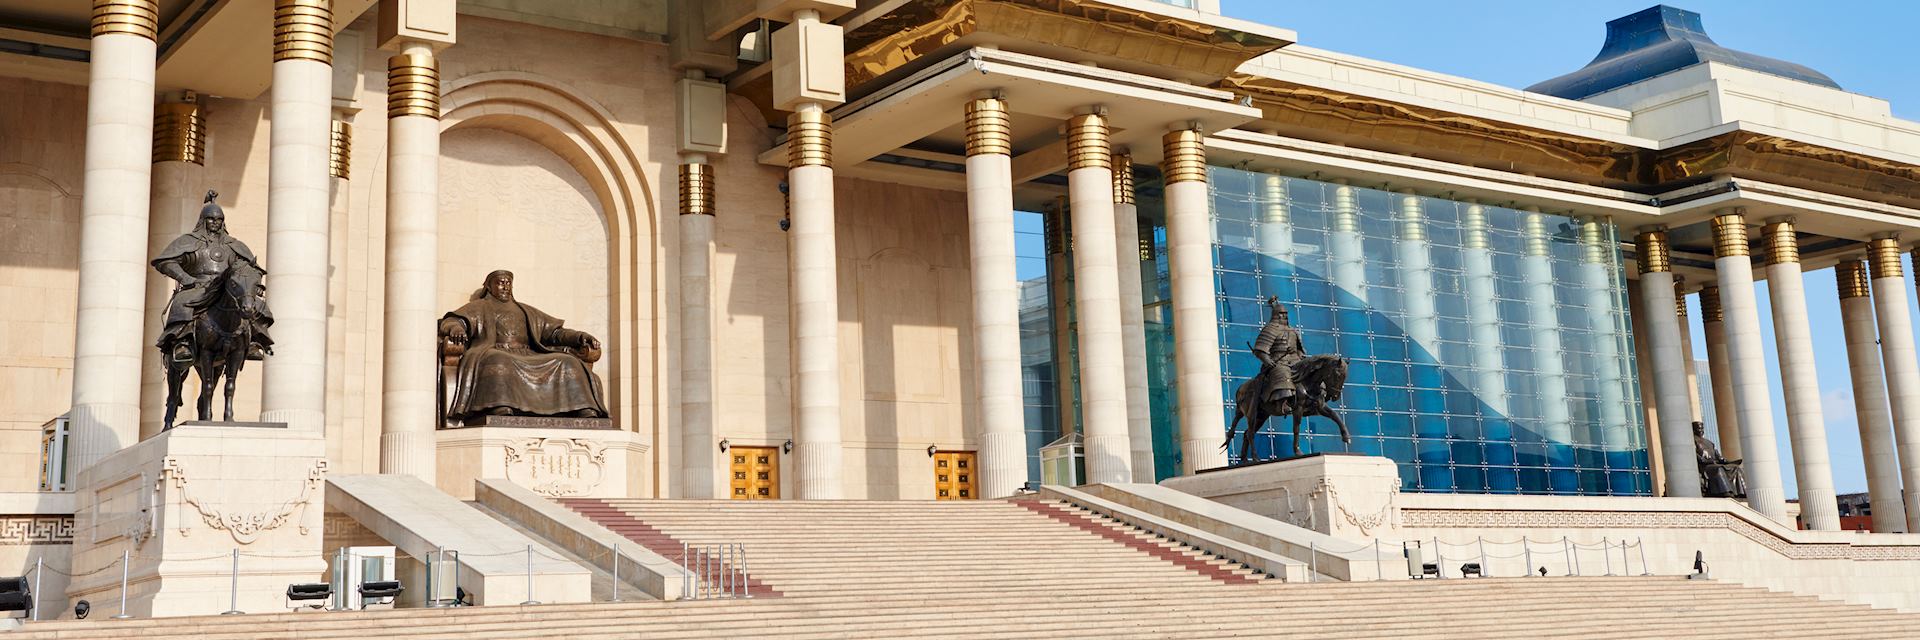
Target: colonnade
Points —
{"points": [[1880, 354]]}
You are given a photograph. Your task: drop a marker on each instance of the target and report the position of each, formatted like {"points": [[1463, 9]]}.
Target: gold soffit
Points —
{"points": [[889, 39], [926, 109]]}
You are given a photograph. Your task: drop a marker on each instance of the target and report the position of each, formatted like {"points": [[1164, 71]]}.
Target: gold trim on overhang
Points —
{"points": [[916, 29], [179, 133], [1436, 134], [1851, 278]]}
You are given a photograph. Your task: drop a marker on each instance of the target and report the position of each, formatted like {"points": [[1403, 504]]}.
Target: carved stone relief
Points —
{"points": [[557, 467]]}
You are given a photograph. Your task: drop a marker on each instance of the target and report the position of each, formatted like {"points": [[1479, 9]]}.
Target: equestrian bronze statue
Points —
{"points": [[514, 360], [217, 318], [1719, 477], [1290, 383]]}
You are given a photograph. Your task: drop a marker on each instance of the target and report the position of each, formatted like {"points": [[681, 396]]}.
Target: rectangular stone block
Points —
{"points": [[808, 65], [430, 21], [703, 116]]}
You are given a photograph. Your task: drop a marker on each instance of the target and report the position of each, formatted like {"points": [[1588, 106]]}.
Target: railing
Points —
{"points": [[1564, 552], [714, 571]]}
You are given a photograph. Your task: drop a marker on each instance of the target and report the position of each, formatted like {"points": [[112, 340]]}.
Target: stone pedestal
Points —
{"points": [[179, 504], [1346, 495], [563, 461]]}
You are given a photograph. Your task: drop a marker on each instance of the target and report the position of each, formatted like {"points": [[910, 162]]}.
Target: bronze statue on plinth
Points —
{"points": [[1719, 477], [217, 318], [514, 360], [1290, 383]]}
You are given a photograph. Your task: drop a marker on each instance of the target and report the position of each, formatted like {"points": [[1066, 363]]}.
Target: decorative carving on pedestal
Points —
{"points": [[246, 527], [1365, 519], [557, 467]]}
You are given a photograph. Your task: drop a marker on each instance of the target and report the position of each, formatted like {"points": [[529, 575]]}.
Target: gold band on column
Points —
{"points": [[1413, 224], [1473, 227], [1346, 210], [1146, 243], [1884, 256], [1539, 243], [1593, 240], [988, 130], [809, 139], [1680, 298], [1655, 255], [127, 17], [1710, 304], [340, 151], [179, 133], [1087, 143], [1851, 276], [1123, 179], [1730, 235], [1783, 245], [696, 189], [1186, 156], [303, 30], [413, 86], [1056, 225]]}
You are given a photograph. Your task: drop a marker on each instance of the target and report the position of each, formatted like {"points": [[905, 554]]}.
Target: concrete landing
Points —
{"points": [[419, 519]]}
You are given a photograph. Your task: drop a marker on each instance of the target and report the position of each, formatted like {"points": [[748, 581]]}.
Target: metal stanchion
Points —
{"points": [[1379, 573], [726, 569], [1573, 556], [1526, 548], [616, 571], [530, 599], [126, 560], [233, 589], [40, 569], [1482, 541], [1606, 554], [1624, 563], [1439, 559], [1313, 560], [1641, 543], [746, 587]]}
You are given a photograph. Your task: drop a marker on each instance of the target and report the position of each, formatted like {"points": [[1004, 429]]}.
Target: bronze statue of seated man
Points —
{"points": [[516, 360], [1719, 477]]}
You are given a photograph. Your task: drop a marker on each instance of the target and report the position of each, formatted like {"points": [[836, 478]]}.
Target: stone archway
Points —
{"points": [[583, 134]]}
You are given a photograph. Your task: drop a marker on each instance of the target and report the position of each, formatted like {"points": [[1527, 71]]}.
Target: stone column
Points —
{"points": [[1793, 342], [1196, 321], [1726, 413], [1096, 287], [1686, 346], [1669, 372], [1276, 223], [1059, 242], [698, 473], [1416, 267], [1536, 274], [1870, 397], [1903, 371], [1734, 267], [179, 156], [815, 303], [996, 298], [702, 133], [1133, 321], [1596, 253], [407, 410], [1483, 313], [113, 227], [299, 216]]}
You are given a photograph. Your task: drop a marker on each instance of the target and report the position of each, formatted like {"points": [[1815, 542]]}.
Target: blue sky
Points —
{"points": [[1517, 43]]}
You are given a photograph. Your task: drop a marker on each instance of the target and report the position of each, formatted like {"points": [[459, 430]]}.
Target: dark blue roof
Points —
{"points": [[1658, 40]]}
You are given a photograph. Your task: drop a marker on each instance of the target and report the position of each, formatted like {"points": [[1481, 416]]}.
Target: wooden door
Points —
{"points": [[953, 475], [754, 473]]}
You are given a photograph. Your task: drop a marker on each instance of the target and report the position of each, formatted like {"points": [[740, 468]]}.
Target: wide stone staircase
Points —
{"points": [[1025, 569]]}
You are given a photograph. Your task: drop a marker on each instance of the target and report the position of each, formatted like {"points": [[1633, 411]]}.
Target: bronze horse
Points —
{"points": [[1318, 380], [222, 329]]}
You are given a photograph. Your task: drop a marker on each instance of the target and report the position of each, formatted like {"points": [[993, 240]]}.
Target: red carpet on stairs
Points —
{"points": [[1085, 522], [659, 542]]}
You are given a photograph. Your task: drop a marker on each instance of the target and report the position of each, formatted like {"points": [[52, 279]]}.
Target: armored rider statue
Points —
{"points": [[1278, 349], [193, 261]]}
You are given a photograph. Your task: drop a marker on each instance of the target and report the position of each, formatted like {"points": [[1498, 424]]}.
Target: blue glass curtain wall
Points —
{"points": [[1489, 347]]}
